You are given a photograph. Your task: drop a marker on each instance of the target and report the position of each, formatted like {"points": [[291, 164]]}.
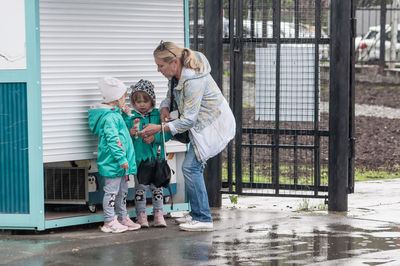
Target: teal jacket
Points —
{"points": [[144, 150], [115, 147]]}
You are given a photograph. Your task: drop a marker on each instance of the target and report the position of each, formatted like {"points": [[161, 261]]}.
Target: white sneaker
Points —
{"points": [[184, 219], [196, 226]]}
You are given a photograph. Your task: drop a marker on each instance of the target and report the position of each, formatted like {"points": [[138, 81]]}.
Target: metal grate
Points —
{"points": [[66, 185], [276, 76]]}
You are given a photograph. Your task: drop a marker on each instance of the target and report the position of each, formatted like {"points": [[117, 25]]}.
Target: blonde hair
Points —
{"points": [[168, 51]]}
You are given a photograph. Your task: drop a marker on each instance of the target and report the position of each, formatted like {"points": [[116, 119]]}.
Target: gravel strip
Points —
{"points": [[369, 110]]}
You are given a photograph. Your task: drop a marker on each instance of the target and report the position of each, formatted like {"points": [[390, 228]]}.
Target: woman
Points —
{"points": [[204, 113]]}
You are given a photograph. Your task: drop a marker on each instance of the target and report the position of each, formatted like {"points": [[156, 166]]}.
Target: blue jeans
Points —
{"points": [[195, 187]]}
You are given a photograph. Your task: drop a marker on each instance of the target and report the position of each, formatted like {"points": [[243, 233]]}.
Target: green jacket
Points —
{"points": [[142, 149], [115, 146]]}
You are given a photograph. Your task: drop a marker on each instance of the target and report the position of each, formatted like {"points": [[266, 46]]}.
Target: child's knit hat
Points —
{"points": [[111, 89], [145, 86]]}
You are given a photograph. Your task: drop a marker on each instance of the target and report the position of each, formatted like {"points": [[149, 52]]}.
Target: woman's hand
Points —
{"points": [[149, 139], [149, 130], [164, 115]]}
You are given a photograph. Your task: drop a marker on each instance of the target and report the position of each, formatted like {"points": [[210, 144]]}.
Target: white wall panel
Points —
{"points": [[82, 41]]}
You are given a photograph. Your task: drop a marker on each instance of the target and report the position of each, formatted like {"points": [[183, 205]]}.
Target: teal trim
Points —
{"points": [[34, 99], [30, 77], [186, 26], [98, 218], [14, 178], [93, 218], [16, 221], [13, 76]]}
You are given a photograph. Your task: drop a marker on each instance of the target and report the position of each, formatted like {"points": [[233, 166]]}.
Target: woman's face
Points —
{"points": [[167, 69]]}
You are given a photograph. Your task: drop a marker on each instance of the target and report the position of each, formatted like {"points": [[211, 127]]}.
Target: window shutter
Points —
{"points": [[82, 41]]}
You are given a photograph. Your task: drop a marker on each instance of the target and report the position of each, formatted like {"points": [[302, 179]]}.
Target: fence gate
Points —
{"points": [[276, 77]]}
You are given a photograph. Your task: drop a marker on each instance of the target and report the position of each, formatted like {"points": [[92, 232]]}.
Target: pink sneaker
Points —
{"points": [[130, 224], [114, 227], [159, 219], [142, 220]]}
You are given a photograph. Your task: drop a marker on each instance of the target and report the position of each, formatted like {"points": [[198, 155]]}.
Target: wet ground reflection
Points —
{"points": [[267, 246]]}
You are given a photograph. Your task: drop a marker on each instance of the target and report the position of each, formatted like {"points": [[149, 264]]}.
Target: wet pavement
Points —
{"points": [[255, 231]]}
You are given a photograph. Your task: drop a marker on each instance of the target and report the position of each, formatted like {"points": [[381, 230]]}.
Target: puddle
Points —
{"points": [[268, 245]]}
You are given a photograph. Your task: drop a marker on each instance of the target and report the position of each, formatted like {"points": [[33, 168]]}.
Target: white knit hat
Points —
{"points": [[111, 89]]}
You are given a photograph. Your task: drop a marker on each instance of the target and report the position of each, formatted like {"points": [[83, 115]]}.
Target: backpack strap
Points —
{"points": [[165, 157]]}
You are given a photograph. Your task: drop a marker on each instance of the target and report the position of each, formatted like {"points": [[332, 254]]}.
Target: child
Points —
{"points": [[116, 155], [143, 101]]}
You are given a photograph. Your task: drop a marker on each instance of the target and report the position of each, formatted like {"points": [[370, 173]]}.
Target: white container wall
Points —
{"points": [[82, 41]]}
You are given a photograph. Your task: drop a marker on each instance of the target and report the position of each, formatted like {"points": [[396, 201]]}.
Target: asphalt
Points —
{"points": [[255, 231]]}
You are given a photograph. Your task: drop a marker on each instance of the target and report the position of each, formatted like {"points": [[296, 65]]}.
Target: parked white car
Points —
{"points": [[368, 47], [287, 31]]}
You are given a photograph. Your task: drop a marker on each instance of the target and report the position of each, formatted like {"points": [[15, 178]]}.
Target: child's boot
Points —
{"points": [[142, 220], [159, 219]]}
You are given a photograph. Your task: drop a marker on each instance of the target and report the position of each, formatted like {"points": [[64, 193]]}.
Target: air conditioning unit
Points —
{"points": [[66, 185]]}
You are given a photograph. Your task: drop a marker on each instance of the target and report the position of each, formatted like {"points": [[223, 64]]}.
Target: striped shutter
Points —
{"points": [[84, 40]]}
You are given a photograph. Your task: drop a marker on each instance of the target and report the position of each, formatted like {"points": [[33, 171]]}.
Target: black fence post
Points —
{"points": [[383, 35], [340, 69], [213, 51], [339, 106], [352, 115]]}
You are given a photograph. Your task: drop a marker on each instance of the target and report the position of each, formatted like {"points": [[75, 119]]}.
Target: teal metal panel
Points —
{"points": [[12, 76], [186, 27], [34, 99], [34, 216], [14, 177], [98, 218]]}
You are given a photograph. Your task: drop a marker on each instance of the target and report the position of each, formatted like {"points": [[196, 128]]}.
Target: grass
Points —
{"points": [[368, 175], [306, 206], [261, 176]]}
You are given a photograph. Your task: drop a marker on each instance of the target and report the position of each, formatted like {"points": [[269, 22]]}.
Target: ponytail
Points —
{"points": [[190, 60]]}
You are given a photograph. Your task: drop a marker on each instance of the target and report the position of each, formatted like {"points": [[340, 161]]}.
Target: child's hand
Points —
{"points": [[125, 166], [149, 139], [135, 129], [132, 131], [125, 108]]}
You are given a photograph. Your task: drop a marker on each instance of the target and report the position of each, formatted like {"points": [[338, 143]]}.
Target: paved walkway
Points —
{"points": [[256, 231]]}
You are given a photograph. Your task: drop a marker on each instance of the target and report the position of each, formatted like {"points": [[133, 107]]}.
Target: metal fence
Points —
{"points": [[372, 47], [281, 95]]}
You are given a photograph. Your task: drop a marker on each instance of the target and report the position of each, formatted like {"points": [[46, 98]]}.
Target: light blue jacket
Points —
{"points": [[198, 98], [199, 101]]}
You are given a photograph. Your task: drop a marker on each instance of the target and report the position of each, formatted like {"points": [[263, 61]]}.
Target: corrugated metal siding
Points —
{"points": [[84, 40], [14, 179]]}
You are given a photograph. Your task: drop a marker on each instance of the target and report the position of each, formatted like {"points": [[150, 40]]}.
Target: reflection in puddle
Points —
{"points": [[262, 245]]}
